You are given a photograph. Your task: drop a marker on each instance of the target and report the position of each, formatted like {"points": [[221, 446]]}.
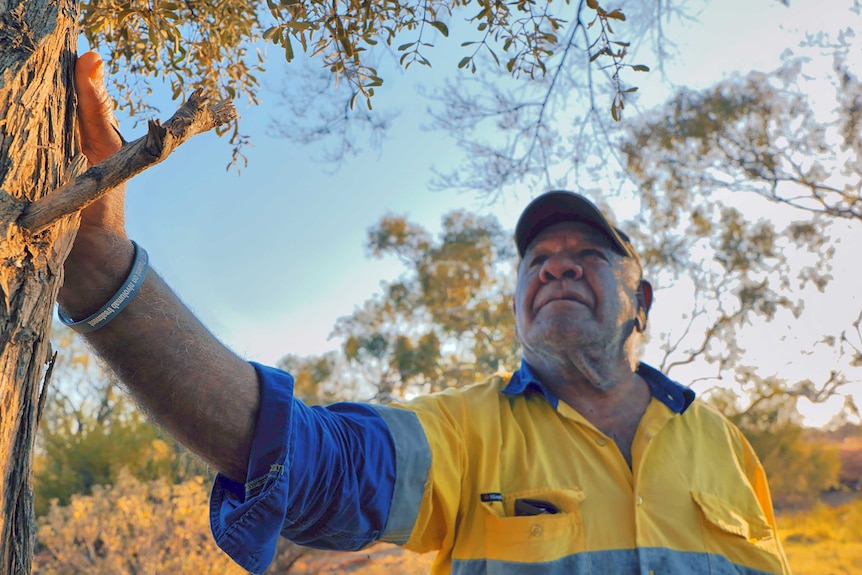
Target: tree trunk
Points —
{"points": [[38, 139]]}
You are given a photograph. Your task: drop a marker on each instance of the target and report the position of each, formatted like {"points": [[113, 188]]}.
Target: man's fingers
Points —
{"points": [[95, 110]]}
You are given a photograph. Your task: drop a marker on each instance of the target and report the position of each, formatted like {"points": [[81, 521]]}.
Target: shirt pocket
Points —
{"points": [[740, 534], [535, 538]]}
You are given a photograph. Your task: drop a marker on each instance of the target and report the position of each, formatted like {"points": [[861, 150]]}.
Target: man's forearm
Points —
{"points": [[188, 382]]}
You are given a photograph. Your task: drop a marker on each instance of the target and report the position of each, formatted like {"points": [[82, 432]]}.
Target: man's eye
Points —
{"points": [[538, 260], [593, 253]]}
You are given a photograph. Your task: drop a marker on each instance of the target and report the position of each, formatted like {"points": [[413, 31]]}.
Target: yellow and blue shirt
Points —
{"points": [[443, 473]]}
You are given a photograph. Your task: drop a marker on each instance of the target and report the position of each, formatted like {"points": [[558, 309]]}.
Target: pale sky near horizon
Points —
{"points": [[270, 258]]}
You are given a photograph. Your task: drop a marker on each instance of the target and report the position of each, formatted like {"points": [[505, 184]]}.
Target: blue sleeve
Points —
{"points": [[321, 477]]}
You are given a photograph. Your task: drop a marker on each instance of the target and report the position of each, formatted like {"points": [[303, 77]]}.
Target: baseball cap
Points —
{"points": [[563, 206]]}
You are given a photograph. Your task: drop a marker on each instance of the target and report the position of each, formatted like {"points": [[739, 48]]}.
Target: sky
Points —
{"points": [[270, 258]]}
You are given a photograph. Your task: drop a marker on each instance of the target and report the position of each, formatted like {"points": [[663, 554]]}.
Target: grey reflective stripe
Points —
{"points": [[629, 561], [412, 463]]}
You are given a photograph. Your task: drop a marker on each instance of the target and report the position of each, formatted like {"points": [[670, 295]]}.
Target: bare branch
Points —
{"points": [[161, 140]]}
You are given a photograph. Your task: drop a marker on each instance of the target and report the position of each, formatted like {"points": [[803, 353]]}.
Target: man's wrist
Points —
{"points": [[94, 271], [117, 303]]}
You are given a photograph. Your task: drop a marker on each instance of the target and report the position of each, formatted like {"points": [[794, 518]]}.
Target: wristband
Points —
{"points": [[117, 303]]}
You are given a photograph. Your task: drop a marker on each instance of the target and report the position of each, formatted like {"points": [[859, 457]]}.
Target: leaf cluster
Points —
{"points": [[211, 45]]}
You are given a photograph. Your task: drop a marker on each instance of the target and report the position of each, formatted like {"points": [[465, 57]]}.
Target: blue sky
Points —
{"points": [[270, 258]]}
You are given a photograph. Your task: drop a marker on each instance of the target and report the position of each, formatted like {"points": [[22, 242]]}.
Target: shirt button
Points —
{"points": [[640, 500], [536, 530], [601, 441]]}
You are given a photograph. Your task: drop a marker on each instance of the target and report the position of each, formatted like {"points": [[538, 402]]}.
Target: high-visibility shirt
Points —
{"points": [[446, 472]]}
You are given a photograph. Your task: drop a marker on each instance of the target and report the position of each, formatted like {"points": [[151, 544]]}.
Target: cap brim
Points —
{"points": [[562, 206]]}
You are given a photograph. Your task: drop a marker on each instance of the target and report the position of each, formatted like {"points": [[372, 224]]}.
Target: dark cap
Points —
{"points": [[562, 206]]}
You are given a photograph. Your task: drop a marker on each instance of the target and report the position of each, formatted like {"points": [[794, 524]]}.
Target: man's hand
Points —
{"points": [[99, 139], [102, 254]]}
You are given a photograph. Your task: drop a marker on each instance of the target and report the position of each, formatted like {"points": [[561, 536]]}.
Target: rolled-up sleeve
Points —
{"points": [[321, 477]]}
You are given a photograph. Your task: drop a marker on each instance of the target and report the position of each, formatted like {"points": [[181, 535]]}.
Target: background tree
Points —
{"points": [[738, 196], [761, 144], [447, 321]]}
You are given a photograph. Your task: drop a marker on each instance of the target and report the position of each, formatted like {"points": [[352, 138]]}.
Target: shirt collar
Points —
{"points": [[675, 396]]}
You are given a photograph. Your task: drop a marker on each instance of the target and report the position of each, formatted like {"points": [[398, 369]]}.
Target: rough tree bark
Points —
{"points": [[37, 144]]}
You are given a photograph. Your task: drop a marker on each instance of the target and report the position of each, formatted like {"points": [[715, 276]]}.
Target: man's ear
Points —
{"points": [[644, 296]]}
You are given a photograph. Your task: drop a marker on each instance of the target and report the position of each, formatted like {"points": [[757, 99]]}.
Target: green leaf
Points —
{"points": [[640, 68], [442, 28], [403, 47], [464, 62]]}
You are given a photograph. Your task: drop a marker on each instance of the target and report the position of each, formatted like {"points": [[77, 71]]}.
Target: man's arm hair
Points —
{"points": [[176, 370]]}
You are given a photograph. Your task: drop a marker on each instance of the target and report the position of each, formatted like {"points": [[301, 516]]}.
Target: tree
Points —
{"points": [[39, 201], [752, 144], [36, 150], [447, 321]]}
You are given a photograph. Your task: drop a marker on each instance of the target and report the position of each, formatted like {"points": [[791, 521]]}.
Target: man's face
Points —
{"points": [[574, 290]]}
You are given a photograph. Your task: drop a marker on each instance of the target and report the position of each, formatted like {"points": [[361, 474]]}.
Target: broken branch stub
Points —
{"points": [[190, 119]]}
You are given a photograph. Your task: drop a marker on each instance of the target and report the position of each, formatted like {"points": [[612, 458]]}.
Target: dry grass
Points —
{"points": [[824, 540]]}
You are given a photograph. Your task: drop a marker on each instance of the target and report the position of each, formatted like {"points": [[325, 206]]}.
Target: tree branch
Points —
{"points": [[191, 119]]}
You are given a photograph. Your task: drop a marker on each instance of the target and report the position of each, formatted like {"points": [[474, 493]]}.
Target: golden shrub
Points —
{"points": [[132, 527]]}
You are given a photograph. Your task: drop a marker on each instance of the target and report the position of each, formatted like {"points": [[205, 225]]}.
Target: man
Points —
{"points": [[583, 461]]}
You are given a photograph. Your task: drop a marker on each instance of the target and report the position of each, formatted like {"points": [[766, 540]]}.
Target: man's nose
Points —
{"points": [[558, 267]]}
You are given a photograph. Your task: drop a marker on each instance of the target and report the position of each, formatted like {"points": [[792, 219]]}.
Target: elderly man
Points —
{"points": [[582, 461]]}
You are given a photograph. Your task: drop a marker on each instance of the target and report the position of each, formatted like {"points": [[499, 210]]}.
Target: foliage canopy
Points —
{"points": [[216, 45]]}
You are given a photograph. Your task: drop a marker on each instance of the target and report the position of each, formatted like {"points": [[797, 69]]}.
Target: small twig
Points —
{"points": [[191, 119]]}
